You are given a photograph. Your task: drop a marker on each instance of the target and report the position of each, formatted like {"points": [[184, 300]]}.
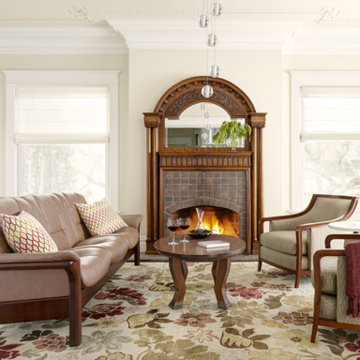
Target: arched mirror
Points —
{"points": [[196, 126]]}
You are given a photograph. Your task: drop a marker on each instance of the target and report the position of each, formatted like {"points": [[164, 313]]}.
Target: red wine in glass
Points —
{"points": [[184, 224], [173, 226]]}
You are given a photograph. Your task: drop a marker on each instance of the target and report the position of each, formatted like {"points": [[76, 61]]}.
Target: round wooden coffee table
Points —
{"points": [[190, 251]]}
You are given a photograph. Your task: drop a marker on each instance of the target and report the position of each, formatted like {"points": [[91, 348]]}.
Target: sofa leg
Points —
{"points": [[75, 304], [137, 254], [259, 264]]}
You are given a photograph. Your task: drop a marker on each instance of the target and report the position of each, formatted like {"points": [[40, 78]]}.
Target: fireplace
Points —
{"points": [[222, 194], [183, 173], [216, 219]]}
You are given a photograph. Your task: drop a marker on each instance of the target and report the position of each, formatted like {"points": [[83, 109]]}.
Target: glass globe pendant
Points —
{"points": [[215, 70], [203, 21], [217, 9], [212, 39], [207, 91]]}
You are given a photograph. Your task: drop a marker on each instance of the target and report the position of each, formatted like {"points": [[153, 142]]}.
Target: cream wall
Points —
{"points": [[145, 76], [152, 72]]}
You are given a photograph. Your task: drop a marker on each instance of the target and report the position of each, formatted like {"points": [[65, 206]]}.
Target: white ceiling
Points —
{"points": [[93, 26]]}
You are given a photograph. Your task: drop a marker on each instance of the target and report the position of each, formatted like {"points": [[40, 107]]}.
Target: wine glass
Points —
{"points": [[173, 225], [184, 224]]}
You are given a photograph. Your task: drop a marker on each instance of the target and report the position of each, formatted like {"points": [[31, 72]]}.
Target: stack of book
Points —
{"points": [[214, 244]]}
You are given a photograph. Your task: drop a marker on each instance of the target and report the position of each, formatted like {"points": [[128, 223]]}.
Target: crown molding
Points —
{"points": [[324, 39], [60, 40], [186, 34]]}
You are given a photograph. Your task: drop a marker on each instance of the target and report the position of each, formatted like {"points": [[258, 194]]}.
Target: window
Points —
{"points": [[62, 136], [326, 135]]}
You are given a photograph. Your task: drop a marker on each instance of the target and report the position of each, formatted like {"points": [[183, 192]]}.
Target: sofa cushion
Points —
{"points": [[100, 218], [284, 241], [129, 235], [94, 264], [113, 244], [25, 234]]}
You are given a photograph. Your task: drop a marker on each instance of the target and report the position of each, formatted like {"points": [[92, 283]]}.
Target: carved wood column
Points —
{"points": [[257, 122], [152, 122]]}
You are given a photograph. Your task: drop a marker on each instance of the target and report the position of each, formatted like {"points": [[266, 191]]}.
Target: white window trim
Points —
{"points": [[299, 79], [106, 78]]}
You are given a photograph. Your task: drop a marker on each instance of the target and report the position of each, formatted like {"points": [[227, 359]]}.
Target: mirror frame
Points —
{"points": [[187, 93]]}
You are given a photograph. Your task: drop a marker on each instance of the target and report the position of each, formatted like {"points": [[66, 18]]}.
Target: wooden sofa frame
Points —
{"points": [[59, 307]]}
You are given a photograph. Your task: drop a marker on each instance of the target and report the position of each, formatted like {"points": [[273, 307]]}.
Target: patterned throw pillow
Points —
{"points": [[25, 234], [100, 218]]}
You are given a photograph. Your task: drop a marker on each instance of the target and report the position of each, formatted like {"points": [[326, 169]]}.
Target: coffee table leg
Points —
{"points": [[220, 271], [179, 272]]}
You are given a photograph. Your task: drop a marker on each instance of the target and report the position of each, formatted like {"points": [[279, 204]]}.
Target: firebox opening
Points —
{"points": [[218, 220]]}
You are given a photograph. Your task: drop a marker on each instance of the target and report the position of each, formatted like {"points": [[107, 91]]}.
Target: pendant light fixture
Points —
{"points": [[207, 21]]}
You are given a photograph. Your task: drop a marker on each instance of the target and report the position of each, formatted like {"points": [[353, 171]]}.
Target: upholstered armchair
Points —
{"points": [[329, 280], [293, 239]]}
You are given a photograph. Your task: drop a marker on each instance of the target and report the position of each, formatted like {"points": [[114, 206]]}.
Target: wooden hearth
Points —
{"points": [[172, 172]]}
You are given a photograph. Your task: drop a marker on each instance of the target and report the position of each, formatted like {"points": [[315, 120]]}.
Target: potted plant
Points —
{"points": [[231, 132]]}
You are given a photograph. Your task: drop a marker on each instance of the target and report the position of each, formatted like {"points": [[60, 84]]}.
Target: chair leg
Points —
{"points": [[259, 264], [315, 322], [297, 279], [137, 254]]}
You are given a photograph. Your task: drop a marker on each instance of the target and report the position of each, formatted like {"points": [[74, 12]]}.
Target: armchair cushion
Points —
{"points": [[328, 275], [285, 260], [328, 307], [283, 241]]}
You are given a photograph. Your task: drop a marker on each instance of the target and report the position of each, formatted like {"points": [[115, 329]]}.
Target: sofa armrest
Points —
{"points": [[59, 256], [133, 220], [15, 263]]}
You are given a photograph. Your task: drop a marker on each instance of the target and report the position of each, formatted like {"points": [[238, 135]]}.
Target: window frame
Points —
{"points": [[299, 79], [110, 79]]}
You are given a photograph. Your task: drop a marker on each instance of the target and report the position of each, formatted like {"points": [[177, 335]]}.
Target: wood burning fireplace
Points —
{"points": [[185, 170]]}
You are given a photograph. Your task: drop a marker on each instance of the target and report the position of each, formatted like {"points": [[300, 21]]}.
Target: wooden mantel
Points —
{"points": [[159, 157]]}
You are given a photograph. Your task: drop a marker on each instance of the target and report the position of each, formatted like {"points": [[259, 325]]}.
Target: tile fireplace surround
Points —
{"points": [[226, 189]]}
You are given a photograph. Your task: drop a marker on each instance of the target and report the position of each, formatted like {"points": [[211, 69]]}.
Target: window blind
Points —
{"points": [[61, 110], [330, 112]]}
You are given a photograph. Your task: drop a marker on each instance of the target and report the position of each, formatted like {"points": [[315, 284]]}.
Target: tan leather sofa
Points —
{"points": [[57, 285]]}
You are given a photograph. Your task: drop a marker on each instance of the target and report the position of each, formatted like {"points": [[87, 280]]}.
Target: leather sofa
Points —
{"points": [[58, 284]]}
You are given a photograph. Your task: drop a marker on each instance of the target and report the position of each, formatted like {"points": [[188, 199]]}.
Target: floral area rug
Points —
{"points": [[129, 319]]}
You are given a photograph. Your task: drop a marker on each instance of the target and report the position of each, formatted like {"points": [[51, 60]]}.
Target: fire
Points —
{"points": [[217, 220], [213, 224]]}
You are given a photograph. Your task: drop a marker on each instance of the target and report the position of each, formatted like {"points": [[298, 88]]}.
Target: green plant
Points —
{"points": [[232, 130]]}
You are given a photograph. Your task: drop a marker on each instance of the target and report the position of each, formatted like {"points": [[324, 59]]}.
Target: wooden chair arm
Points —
{"points": [[307, 226], [331, 237]]}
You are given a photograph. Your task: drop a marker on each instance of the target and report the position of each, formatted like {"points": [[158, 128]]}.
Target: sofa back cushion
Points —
{"points": [[56, 212]]}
